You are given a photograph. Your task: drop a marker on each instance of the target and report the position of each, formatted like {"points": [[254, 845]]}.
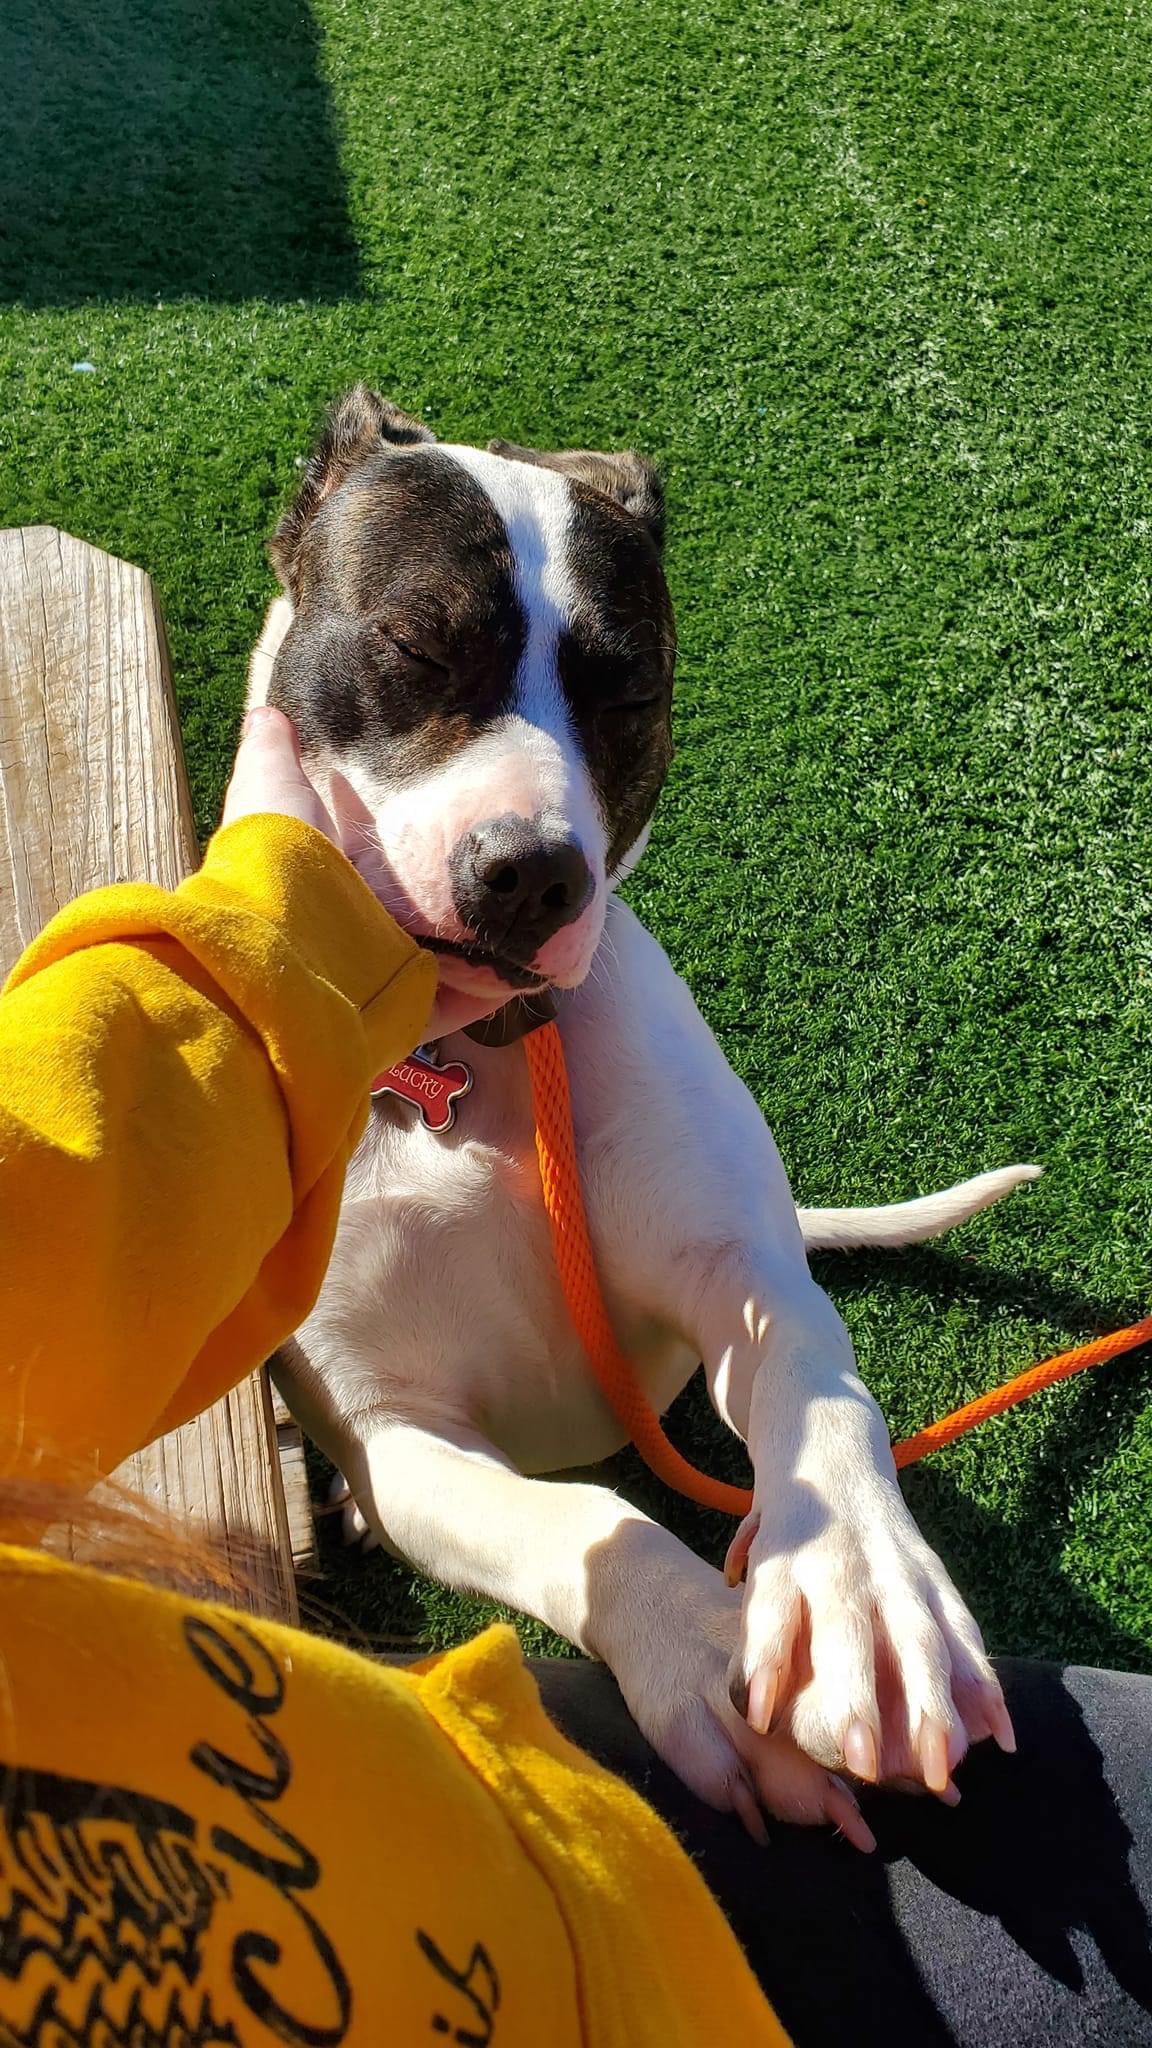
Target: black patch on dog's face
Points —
{"points": [[407, 632], [616, 663]]}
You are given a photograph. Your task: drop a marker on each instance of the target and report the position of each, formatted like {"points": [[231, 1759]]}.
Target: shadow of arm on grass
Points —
{"points": [[966, 1277], [167, 148]]}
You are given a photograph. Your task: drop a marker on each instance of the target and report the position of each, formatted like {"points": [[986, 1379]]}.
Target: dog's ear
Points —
{"points": [[360, 423], [627, 478]]}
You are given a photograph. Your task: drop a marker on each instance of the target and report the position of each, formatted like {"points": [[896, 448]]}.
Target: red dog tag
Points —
{"points": [[435, 1090]]}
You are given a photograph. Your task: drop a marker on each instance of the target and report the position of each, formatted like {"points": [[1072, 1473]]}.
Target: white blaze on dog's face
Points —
{"points": [[479, 665]]}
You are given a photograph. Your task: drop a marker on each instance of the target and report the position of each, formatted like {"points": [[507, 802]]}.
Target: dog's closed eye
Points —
{"points": [[623, 705], [410, 652], [608, 677]]}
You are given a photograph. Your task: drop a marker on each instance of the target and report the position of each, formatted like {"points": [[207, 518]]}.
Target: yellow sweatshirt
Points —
{"points": [[214, 1829]]}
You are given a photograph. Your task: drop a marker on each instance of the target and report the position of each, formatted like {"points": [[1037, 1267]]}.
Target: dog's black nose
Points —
{"points": [[515, 882]]}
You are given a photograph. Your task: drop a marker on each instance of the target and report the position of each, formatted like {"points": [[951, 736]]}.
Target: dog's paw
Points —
{"points": [[353, 1527], [690, 1720], [357, 1531], [732, 1768], [857, 1645]]}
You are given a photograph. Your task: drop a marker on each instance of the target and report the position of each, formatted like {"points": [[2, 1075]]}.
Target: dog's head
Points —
{"points": [[479, 665]]}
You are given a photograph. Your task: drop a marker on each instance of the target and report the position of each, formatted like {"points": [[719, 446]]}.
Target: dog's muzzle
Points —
{"points": [[516, 882]]}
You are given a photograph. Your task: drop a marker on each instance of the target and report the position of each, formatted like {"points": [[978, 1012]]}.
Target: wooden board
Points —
{"points": [[297, 1498], [93, 790]]}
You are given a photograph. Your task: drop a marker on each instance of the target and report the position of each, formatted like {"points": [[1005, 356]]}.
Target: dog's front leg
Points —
{"points": [[599, 1572], [852, 1634]]}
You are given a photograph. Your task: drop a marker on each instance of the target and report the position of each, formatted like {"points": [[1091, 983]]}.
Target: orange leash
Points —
{"points": [[564, 1202], [1033, 1381]]}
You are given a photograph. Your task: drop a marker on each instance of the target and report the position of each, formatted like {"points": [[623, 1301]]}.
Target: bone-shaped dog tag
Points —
{"points": [[434, 1090]]}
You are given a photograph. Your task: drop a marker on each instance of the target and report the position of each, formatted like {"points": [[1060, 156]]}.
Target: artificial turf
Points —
{"points": [[874, 282]]}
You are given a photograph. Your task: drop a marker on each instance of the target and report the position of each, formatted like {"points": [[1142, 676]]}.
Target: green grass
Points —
{"points": [[875, 284]]}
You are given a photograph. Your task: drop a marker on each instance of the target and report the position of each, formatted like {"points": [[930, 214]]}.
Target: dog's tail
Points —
{"points": [[829, 1230]]}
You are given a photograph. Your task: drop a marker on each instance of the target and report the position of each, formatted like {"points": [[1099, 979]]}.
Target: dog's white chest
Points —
{"points": [[444, 1272]]}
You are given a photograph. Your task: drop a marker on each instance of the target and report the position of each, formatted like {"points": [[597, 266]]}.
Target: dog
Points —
{"points": [[477, 649]]}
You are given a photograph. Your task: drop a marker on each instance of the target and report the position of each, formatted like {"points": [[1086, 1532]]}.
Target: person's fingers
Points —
{"points": [[268, 776], [454, 1010]]}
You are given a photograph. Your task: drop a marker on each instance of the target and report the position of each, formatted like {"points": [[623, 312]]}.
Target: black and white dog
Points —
{"points": [[477, 649]]}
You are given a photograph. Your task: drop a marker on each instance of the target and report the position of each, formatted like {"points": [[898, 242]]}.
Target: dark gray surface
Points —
{"points": [[1020, 1917]]}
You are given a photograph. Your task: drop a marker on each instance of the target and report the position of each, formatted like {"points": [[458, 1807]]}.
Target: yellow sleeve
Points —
{"points": [[183, 1077]]}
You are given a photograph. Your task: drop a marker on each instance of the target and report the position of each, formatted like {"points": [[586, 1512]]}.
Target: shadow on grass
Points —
{"points": [[957, 1277], [1010, 1573], [995, 1897], [167, 148]]}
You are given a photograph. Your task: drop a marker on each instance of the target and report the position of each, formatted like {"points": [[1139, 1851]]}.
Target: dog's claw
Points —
{"points": [[736, 1561], [860, 1752], [842, 1811], [933, 1747], [972, 1704], [1000, 1721], [761, 1699], [746, 1805]]}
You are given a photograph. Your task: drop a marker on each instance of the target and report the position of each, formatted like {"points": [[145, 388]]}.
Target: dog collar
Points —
{"points": [[514, 1020]]}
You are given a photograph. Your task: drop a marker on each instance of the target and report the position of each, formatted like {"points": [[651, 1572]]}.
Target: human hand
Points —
{"points": [[268, 775]]}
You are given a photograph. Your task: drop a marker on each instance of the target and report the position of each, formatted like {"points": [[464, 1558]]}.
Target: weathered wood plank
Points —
{"points": [[297, 1499], [221, 1475], [93, 790], [92, 783]]}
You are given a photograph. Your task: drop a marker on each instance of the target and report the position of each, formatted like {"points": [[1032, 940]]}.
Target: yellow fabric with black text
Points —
{"points": [[222, 1830]]}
